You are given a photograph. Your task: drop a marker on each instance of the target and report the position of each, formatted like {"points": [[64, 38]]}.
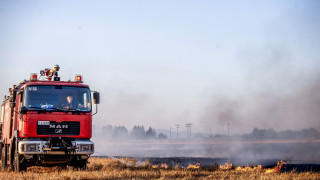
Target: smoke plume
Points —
{"points": [[277, 93]]}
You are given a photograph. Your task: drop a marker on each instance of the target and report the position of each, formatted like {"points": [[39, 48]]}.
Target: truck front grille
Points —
{"points": [[63, 128]]}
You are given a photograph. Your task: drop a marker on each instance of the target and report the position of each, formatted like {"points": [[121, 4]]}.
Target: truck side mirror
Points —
{"points": [[96, 97], [23, 110]]}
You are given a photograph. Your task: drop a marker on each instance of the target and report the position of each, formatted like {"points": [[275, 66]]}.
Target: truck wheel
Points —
{"points": [[0, 150], [18, 165], [4, 157], [1, 145], [80, 165]]}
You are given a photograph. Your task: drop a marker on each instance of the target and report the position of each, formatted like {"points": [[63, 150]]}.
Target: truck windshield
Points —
{"points": [[57, 97]]}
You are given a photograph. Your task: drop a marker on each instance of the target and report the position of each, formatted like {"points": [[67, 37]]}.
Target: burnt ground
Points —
{"points": [[206, 162], [298, 156], [209, 162]]}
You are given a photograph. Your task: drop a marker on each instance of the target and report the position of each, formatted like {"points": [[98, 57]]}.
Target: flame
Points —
{"points": [[196, 166], [275, 169], [260, 168], [249, 168], [226, 166], [230, 166], [163, 166]]}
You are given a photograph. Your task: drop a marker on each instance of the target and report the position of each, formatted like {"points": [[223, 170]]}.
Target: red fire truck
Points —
{"points": [[47, 122]]}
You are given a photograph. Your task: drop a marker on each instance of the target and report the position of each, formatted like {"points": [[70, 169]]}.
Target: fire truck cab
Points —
{"points": [[47, 122]]}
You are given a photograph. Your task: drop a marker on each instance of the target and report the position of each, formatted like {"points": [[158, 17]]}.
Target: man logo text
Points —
{"points": [[59, 126]]}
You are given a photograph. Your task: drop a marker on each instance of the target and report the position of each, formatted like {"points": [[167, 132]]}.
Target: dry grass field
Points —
{"points": [[105, 168]]}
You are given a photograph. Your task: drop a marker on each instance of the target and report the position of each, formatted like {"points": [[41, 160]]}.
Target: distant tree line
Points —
{"points": [[138, 132], [266, 134], [263, 134]]}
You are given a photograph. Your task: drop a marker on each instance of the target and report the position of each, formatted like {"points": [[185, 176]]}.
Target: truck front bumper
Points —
{"points": [[84, 147]]}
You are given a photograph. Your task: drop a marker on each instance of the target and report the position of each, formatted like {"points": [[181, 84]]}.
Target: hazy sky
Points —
{"points": [[161, 63]]}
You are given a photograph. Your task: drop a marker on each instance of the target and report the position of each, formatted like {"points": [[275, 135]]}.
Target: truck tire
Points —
{"points": [[1, 145], [4, 157], [17, 164], [80, 165]]}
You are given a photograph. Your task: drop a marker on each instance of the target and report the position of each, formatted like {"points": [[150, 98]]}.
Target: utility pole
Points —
{"points": [[188, 126], [228, 129], [178, 126]]}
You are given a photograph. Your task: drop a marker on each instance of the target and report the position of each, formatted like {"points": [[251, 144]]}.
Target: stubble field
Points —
{"points": [[107, 168]]}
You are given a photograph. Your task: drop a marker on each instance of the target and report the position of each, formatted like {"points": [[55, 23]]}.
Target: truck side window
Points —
{"points": [[21, 98]]}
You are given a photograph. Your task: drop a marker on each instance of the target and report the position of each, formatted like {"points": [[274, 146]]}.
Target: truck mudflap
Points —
{"points": [[56, 147]]}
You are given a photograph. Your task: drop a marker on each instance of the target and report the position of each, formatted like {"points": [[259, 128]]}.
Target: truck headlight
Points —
{"points": [[30, 147], [86, 147]]}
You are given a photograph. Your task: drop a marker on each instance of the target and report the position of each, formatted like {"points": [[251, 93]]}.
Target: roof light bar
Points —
{"points": [[33, 77], [78, 78]]}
